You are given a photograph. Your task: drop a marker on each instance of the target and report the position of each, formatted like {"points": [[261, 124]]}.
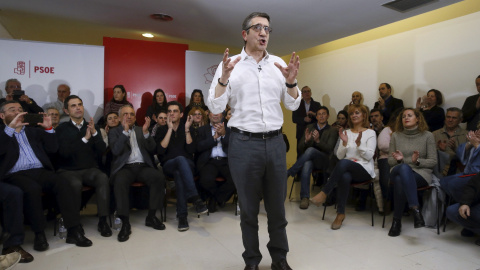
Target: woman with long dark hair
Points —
{"points": [[118, 100]]}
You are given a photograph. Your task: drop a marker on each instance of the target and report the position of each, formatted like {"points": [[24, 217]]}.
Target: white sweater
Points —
{"points": [[362, 154]]}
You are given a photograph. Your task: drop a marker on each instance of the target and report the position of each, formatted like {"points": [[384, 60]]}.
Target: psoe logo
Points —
{"points": [[20, 69]]}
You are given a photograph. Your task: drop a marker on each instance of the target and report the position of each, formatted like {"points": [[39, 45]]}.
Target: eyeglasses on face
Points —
{"points": [[197, 114], [258, 27]]}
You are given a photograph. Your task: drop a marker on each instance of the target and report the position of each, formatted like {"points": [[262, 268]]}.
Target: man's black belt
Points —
{"points": [[260, 135]]}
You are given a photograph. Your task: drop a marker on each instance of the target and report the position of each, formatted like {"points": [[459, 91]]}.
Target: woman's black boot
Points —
{"points": [[396, 227], [418, 221]]}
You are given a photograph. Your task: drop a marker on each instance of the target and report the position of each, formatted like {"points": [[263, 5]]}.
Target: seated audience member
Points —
{"points": [[132, 148], [29, 105], [387, 104], [175, 148], [24, 163], [376, 121], [228, 115], [413, 157], [80, 146], [63, 91], [432, 112], [199, 119], [212, 161], [196, 100], [112, 121], [469, 155], [383, 144], [11, 199], [342, 120], [316, 148], [159, 103], [355, 152], [119, 99], [449, 138], [466, 212], [471, 108], [161, 120], [54, 115], [357, 99], [305, 114]]}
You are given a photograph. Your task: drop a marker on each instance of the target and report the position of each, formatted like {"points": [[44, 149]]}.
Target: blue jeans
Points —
{"points": [[181, 168], [405, 183], [472, 223], [306, 163], [453, 185], [343, 174]]}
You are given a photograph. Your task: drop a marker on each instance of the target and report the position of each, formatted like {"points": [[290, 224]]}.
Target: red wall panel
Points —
{"points": [[142, 67]]}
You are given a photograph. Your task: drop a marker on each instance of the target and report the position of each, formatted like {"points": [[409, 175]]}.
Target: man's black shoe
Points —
{"points": [[104, 229], [40, 243], [200, 207], [154, 222], [125, 232], [281, 265], [467, 233], [183, 224], [75, 236], [251, 267]]}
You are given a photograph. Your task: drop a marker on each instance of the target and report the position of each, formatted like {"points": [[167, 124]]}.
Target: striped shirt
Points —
{"points": [[27, 159]]}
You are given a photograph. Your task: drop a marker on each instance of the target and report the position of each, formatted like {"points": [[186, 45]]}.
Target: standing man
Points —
{"points": [[386, 103], [254, 83], [11, 87], [305, 114], [63, 91], [471, 108], [80, 146]]}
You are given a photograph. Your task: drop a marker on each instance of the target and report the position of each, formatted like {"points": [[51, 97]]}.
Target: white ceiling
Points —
{"points": [[297, 25]]}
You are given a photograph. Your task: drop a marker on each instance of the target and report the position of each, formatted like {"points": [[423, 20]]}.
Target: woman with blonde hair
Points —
{"points": [[413, 156], [199, 118], [355, 152]]}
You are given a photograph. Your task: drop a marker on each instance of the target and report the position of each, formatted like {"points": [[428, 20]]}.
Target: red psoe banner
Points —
{"points": [[142, 67]]}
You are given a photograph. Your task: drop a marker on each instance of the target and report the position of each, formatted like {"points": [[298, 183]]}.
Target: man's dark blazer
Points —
{"points": [[42, 143], [393, 105], [121, 149], [205, 144], [470, 113], [299, 115]]}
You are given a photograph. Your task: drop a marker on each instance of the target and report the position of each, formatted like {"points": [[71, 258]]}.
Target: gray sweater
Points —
{"points": [[409, 141]]}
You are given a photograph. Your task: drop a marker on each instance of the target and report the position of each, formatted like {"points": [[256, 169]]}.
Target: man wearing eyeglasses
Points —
{"points": [[305, 114], [253, 83]]}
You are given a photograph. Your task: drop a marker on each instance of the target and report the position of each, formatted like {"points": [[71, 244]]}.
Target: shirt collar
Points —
{"points": [[245, 56], [75, 124]]}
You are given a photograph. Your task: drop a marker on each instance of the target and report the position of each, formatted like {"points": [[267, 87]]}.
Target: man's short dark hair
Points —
{"points": [[248, 20], [387, 85], [455, 109], [2, 106], [478, 77], [161, 111], [375, 110], [175, 103], [65, 103], [323, 108]]}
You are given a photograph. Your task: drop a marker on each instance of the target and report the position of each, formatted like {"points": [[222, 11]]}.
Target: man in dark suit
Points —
{"points": [[316, 148], [24, 163], [305, 114], [386, 103], [471, 108], [29, 105], [212, 149], [80, 146], [132, 148]]}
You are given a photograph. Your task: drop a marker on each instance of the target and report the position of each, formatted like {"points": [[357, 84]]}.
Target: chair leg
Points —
{"points": [[291, 189], [235, 202], [371, 200], [438, 213], [445, 212], [324, 209]]}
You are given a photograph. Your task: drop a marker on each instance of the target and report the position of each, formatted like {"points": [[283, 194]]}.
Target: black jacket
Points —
{"points": [[205, 144]]}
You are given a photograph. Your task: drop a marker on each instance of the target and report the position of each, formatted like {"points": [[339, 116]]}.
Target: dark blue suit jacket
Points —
{"points": [[205, 144]]}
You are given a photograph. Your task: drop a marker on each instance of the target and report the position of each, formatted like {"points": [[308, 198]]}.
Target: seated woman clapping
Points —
{"points": [[356, 150], [413, 157]]}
